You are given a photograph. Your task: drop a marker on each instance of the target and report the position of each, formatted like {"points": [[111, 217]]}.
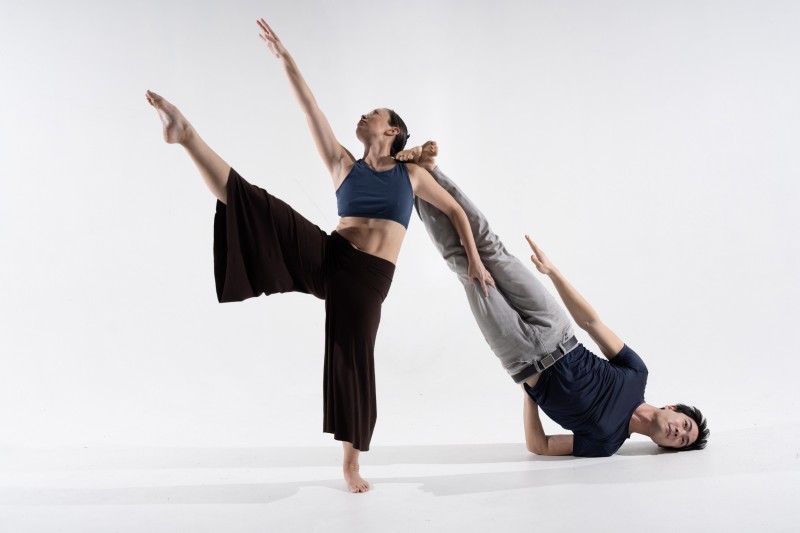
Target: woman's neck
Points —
{"points": [[381, 162], [377, 155]]}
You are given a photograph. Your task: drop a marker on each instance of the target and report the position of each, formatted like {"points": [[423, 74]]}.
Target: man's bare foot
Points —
{"points": [[424, 156], [176, 128], [355, 483]]}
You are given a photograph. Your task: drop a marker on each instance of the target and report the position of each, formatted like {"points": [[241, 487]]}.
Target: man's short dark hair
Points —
{"points": [[702, 427]]}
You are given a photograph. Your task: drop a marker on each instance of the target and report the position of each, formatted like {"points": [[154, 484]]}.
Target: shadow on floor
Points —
{"points": [[277, 457], [734, 453]]}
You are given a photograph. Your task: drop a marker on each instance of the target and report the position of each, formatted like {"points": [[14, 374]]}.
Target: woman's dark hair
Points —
{"points": [[400, 139]]}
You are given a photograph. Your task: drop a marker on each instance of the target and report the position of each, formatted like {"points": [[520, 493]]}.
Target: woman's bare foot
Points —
{"points": [[176, 128], [355, 483], [424, 156]]}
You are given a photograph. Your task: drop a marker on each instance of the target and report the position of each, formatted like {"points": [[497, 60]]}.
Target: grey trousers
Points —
{"points": [[521, 321]]}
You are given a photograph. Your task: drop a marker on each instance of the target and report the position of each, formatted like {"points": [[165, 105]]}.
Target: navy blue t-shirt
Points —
{"points": [[592, 397]]}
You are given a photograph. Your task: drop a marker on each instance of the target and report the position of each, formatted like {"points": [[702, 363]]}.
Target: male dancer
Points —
{"points": [[600, 401]]}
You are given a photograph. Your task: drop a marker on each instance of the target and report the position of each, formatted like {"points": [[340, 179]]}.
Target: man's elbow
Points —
{"points": [[590, 323], [537, 448]]}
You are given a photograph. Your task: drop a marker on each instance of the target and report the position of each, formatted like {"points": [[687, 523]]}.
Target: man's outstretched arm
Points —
{"points": [[535, 439], [583, 313]]}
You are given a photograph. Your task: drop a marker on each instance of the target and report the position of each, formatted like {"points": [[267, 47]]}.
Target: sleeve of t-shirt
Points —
{"points": [[630, 359], [583, 446]]}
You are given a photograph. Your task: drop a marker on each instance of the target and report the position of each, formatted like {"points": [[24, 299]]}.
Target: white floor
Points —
{"points": [[745, 480]]}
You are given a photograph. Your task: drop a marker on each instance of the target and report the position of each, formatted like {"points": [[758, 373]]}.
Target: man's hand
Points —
{"points": [[541, 261]]}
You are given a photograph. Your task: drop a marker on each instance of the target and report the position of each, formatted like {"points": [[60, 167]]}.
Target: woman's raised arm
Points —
{"points": [[332, 152]]}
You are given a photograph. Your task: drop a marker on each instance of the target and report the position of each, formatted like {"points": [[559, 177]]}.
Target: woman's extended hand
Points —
{"points": [[541, 261], [478, 271], [269, 37]]}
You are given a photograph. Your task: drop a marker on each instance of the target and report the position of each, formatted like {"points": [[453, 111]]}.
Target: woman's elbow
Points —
{"points": [[454, 211]]}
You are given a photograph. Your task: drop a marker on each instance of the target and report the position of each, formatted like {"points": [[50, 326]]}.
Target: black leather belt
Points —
{"points": [[547, 361]]}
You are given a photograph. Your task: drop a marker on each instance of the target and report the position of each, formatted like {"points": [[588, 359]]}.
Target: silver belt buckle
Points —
{"points": [[547, 361]]}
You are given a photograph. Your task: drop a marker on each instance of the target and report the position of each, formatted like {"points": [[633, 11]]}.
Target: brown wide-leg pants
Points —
{"points": [[263, 246]]}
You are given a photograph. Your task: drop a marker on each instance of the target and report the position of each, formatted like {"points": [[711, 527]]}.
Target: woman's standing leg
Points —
{"points": [[178, 130], [357, 283]]}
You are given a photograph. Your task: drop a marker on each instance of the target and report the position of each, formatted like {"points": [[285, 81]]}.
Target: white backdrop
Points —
{"points": [[650, 147]]}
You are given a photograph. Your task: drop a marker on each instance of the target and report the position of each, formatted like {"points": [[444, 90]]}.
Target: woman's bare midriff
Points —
{"points": [[375, 236]]}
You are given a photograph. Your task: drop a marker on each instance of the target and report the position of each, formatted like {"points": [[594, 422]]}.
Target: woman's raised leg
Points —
{"points": [[178, 130]]}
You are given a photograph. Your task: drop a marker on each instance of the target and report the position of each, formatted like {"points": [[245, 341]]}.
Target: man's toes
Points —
{"points": [[155, 98]]}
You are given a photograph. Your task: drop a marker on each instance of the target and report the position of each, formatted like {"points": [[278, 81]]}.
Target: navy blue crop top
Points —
{"points": [[371, 194]]}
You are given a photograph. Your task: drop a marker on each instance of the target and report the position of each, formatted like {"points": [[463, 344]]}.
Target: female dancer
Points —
{"points": [[263, 246]]}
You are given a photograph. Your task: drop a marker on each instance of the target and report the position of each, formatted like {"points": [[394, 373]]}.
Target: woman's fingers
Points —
{"points": [[268, 33], [480, 279], [486, 279], [267, 29], [269, 37]]}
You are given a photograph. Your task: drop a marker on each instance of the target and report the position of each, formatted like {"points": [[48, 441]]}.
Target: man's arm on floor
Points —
{"points": [[535, 439]]}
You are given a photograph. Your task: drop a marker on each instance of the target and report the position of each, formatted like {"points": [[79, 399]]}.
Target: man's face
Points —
{"points": [[673, 429]]}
